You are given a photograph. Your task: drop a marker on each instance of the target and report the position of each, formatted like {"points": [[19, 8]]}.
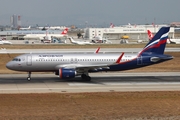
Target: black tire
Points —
{"points": [[28, 78], [83, 76], [88, 78]]}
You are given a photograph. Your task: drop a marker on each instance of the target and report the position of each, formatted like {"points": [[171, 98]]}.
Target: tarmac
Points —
{"points": [[101, 82], [102, 50]]}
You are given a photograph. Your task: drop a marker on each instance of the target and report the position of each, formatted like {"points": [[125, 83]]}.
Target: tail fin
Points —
{"points": [[158, 42], [64, 32], [111, 25], [150, 35]]}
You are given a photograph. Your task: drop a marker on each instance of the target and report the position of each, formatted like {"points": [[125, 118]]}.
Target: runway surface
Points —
{"points": [[4, 51], [101, 82]]}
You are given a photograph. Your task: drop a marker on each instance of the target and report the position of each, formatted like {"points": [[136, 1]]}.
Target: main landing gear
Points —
{"points": [[29, 76], [86, 77]]}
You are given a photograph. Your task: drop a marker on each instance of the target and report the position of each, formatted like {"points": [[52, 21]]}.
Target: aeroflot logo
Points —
{"points": [[164, 36]]}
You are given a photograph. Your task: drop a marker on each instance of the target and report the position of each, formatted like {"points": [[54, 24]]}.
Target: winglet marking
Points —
{"points": [[97, 50], [119, 59]]}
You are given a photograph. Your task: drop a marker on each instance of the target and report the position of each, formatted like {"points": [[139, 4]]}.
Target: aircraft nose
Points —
{"points": [[9, 65]]}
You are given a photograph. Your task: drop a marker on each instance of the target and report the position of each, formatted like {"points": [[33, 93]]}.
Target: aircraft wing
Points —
{"points": [[79, 66], [89, 67]]}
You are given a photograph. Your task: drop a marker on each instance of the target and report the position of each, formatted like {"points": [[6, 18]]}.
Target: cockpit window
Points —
{"points": [[16, 59]]}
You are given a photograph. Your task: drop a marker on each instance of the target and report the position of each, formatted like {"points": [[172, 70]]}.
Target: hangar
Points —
{"points": [[138, 32]]}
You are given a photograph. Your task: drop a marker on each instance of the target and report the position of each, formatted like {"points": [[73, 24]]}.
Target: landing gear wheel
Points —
{"points": [[88, 78], [83, 76], [28, 78]]}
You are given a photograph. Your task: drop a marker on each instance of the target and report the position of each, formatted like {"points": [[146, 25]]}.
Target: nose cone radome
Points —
{"points": [[9, 65]]}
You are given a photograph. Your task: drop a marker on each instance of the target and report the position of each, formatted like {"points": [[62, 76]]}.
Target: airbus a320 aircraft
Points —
{"points": [[41, 36], [69, 65]]}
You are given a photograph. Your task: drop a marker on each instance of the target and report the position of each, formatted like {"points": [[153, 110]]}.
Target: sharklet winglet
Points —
{"points": [[119, 59], [97, 51]]}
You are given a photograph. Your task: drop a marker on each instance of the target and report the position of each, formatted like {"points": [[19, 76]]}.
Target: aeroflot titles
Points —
{"points": [[50, 55], [62, 56]]}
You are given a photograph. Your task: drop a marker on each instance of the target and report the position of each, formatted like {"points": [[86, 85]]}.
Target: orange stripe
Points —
{"points": [[60, 73]]}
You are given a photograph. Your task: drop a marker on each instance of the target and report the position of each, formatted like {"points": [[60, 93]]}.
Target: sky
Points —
{"points": [[90, 12]]}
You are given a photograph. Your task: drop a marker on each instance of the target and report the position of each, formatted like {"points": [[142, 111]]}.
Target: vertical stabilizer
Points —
{"points": [[150, 35], [158, 42]]}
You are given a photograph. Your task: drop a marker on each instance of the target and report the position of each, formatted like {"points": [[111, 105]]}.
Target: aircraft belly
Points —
{"points": [[124, 66]]}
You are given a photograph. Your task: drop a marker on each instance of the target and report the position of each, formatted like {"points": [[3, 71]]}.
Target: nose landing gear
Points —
{"points": [[29, 76]]}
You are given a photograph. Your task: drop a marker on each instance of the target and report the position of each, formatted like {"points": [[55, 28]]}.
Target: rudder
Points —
{"points": [[158, 43]]}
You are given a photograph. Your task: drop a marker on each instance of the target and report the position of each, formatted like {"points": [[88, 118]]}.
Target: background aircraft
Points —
{"points": [[169, 40], [150, 35], [69, 65], [28, 28], [79, 42], [111, 25], [4, 42], [99, 39], [42, 36]]}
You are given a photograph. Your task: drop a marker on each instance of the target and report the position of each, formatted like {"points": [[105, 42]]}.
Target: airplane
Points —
{"points": [[41, 36], [43, 28], [49, 39], [150, 34], [70, 65], [51, 27], [80, 42], [173, 41], [99, 39], [111, 25], [28, 28], [56, 27], [4, 42]]}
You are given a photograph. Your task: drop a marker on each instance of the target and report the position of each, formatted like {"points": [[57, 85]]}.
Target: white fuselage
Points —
{"points": [[42, 36], [53, 62]]}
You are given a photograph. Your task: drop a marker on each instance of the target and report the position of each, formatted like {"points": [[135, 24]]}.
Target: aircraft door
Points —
{"points": [[29, 60], [139, 60]]}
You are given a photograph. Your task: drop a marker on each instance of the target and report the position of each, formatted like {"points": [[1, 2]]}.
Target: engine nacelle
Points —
{"points": [[67, 73]]}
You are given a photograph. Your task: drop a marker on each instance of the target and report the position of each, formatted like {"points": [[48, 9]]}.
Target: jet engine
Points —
{"points": [[66, 73]]}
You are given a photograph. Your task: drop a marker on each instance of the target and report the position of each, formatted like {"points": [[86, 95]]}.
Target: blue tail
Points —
{"points": [[158, 42]]}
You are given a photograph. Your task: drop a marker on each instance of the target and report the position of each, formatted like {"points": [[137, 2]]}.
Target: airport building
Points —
{"points": [[132, 33], [19, 34], [138, 32]]}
